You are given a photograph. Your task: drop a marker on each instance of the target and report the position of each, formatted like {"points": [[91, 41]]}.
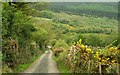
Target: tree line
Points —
{"points": [[101, 9]]}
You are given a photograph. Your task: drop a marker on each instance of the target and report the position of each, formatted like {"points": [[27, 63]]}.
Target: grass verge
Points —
{"points": [[61, 66], [22, 67]]}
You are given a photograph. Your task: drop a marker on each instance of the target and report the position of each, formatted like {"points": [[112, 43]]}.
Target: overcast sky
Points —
{"points": [[67, 0]]}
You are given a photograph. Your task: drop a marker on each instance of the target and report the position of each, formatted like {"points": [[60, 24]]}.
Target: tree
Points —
{"points": [[47, 14], [60, 43], [40, 38]]}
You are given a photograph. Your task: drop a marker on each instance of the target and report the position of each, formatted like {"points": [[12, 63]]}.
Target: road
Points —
{"points": [[44, 64]]}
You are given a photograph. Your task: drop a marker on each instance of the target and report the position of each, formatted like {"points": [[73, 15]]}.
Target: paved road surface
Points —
{"points": [[45, 64]]}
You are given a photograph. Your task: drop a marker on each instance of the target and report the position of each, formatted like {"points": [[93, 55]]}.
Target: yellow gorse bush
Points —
{"points": [[80, 54]]}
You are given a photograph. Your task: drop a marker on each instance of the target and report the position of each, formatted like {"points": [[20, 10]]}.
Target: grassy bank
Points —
{"points": [[61, 66], [23, 67]]}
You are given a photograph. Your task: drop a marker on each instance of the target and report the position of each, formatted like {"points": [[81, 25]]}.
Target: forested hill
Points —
{"points": [[107, 9]]}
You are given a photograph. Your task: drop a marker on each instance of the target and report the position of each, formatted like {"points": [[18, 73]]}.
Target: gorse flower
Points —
{"points": [[82, 46], [111, 48], [88, 50]]}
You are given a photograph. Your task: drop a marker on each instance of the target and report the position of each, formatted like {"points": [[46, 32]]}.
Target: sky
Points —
{"points": [[65, 0]]}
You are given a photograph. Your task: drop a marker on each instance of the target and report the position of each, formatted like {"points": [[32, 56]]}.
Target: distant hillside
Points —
{"points": [[100, 9]]}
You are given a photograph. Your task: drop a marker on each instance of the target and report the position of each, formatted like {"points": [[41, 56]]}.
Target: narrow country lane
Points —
{"points": [[45, 64]]}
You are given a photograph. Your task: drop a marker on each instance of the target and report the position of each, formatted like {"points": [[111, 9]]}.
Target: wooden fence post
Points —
{"points": [[100, 68], [117, 70], [88, 67]]}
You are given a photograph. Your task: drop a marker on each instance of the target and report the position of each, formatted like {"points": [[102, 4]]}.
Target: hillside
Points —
{"points": [[67, 25], [108, 9]]}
